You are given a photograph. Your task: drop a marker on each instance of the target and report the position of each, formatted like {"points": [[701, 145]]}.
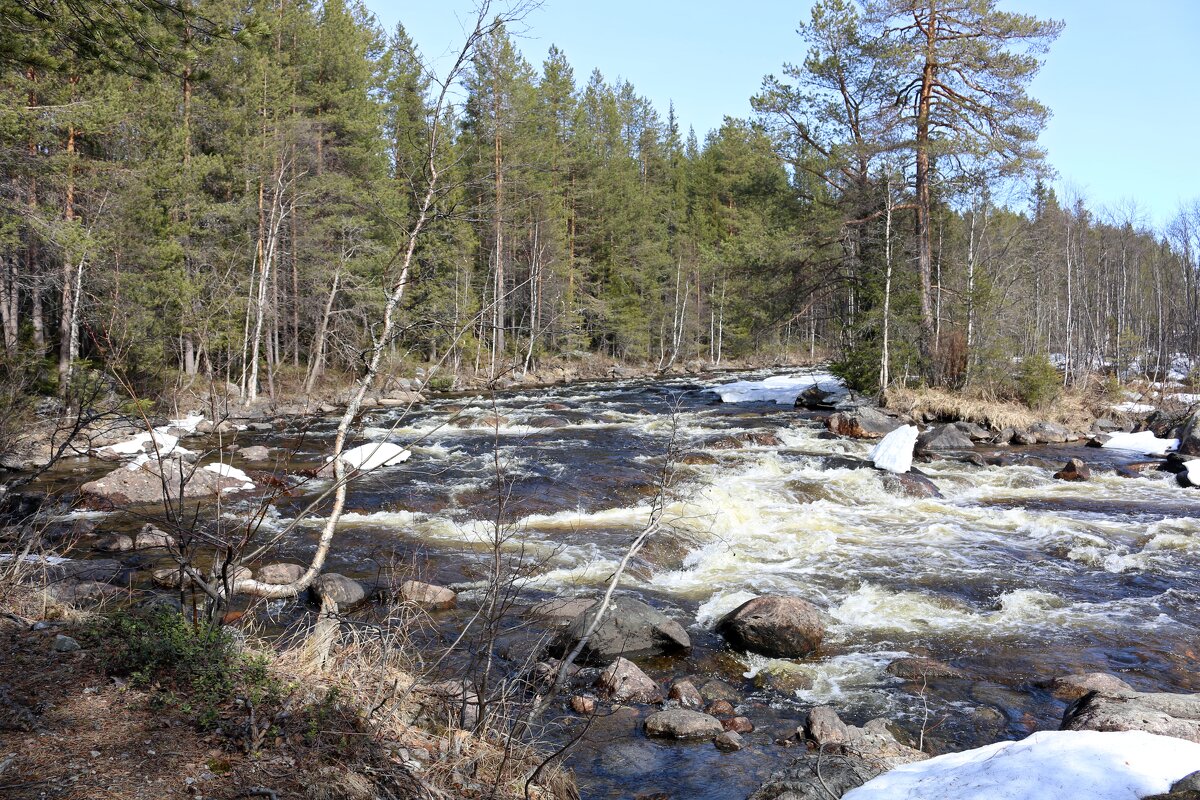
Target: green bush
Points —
{"points": [[1038, 381], [195, 666]]}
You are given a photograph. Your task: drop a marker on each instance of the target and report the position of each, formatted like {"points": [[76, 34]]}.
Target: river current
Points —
{"points": [[1012, 577]]}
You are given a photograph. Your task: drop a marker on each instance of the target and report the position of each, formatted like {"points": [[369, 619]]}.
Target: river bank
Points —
{"points": [[1010, 577]]}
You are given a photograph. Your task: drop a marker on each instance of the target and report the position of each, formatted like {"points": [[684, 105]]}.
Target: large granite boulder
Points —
{"points": [[783, 627], [628, 628]]}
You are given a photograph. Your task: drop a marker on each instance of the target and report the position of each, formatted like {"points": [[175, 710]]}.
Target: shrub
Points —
{"points": [[1038, 381]]}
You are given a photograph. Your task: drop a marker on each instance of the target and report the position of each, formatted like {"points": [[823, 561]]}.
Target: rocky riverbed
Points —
{"points": [[928, 612]]}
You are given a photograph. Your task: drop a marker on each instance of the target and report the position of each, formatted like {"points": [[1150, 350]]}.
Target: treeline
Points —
{"points": [[224, 193]]}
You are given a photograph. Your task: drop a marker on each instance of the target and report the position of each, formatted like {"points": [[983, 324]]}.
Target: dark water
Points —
{"points": [[1013, 577]]}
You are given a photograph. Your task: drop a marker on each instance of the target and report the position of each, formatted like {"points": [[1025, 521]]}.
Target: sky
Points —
{"points": [[1123, 80]]}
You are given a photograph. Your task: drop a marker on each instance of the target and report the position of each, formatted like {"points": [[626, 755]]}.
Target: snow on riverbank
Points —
{"points": [[1046, 766], [780, 389], [1141, 442]]}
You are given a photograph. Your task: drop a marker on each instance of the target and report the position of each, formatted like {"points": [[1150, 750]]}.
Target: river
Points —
{"points": [[1012, 577]]}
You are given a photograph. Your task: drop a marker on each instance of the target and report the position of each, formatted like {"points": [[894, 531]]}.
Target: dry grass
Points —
{"points": [[374, 670], [1074, 410]]}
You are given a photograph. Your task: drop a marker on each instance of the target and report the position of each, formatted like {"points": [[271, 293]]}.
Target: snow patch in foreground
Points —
{"points": [[375, 455], [1141, 442], [1046, 766], [894, 452], [780, 389]]}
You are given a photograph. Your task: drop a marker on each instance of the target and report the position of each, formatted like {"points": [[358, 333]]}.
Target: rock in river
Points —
{"points": [[862, 423], [1163, 713], [1074, 470], [624, 682], [628, 628], [344, 591], [783, 627], [944, 437], [680, 723]]}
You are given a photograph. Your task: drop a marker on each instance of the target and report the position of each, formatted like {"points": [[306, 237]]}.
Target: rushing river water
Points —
{"points": [[1012, 577]]}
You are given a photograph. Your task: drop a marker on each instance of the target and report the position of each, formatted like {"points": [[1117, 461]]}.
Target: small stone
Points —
{"points": [[738, 724], [825, 727], [115, 543], [257, 453], [65, 644], [729, 742], [686, 694], [624, 682], [150, 537], [582, 704], [1074, 470], [721, 708]]}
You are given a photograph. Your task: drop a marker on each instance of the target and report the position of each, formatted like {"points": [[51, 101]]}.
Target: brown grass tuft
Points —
{"points": [[1074, 410]]}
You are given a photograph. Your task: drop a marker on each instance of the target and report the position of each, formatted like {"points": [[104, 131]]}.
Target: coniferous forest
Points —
{"points": [[223, 190]]}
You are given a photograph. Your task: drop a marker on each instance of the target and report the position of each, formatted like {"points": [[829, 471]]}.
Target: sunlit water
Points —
{"points": [[1012, 576]]}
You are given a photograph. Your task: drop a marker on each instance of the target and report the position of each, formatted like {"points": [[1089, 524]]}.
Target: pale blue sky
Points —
{"points": [[1122, 79]]}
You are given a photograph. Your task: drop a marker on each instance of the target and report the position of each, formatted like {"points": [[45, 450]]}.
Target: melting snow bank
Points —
{"points": [[1046, 766], [1141, 442], [780, 389], [894, 452]]}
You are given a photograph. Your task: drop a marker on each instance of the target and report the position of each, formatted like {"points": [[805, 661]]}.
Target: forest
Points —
{"points": [[218, 190]]}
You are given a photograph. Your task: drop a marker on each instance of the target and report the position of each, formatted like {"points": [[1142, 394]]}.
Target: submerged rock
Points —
{"points": [[910, 484], [629, 628], [915, 668], [783, 627], [427, 595]]}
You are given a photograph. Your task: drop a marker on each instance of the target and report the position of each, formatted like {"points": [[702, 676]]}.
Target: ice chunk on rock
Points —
{"points": [[374, 455], [1045, 766], [895, 451], [233, 473]]}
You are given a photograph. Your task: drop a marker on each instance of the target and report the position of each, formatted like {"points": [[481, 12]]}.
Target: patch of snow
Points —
{"points": [[34, 559], [780, 389], [1192, 468], [188, 423], [147, 441], [232, 472], [1045, 766], [1141, 442], [375, 455], [1133, 408], [1184, 398], [894, 452]]}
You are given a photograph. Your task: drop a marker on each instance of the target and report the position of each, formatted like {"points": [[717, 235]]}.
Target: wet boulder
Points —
{"points": [[862, 423], [427, 595], [1162, 713], [628, 628], [548, 422], [816, 398], [782, 627], [973, 431], [624, 682], [845, 757], [754, 438], [943, 437], [280, 574], [1074, 470], [917, 668], [1050, 433], [142, 484], [1073, 687], [560, 611], [345, 592], [686, 695], [1189, 435], [255, 454], [910, 484], [680, 723]]}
